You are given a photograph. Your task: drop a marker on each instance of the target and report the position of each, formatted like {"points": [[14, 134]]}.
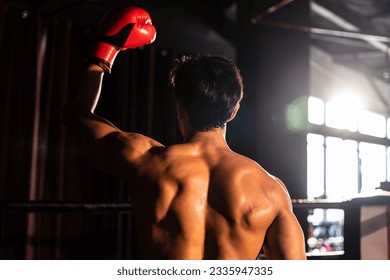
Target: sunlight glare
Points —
{"points": [[343, 111]]}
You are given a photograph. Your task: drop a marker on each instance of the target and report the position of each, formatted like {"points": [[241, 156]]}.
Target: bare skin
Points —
{"points": [[196, 200]]}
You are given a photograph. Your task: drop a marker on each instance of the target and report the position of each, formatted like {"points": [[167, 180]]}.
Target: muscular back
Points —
{"points": [[197, 200], [194, 201]]}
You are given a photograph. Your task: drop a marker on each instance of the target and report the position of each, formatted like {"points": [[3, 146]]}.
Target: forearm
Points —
{"points": [[88, 92], [79, 115]]}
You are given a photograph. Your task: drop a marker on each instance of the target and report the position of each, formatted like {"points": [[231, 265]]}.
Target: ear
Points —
{"points": [[233, 115]]}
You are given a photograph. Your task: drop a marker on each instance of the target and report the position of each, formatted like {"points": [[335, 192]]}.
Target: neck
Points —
{"points": [[218, 134]]}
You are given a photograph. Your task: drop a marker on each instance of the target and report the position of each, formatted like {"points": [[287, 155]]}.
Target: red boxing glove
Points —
{"points": [[121, 29]]}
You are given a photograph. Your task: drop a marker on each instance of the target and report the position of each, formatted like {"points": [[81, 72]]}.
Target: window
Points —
{"points": [[372, 124], [315, 165], [373, 165], [341, 165], [342, 113], [341, 168]]}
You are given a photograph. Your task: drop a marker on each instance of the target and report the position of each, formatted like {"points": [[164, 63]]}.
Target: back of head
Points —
{"points": [[209, 87]]}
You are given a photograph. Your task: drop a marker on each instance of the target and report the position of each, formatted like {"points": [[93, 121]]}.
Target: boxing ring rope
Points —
{"points": [[45, 206], [56, 207], [53, 206]]}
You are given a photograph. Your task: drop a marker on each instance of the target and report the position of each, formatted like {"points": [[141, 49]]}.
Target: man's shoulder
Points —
{"points": [[259, 175], [249, 164]]}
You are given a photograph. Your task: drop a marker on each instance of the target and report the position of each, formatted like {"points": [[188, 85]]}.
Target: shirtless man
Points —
{"points": [[197, 199]]}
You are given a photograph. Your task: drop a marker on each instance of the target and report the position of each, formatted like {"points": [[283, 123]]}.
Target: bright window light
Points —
{"points": [[316, 110], [373, 165], [341, 168], [388, 128], [372, 124], [315, 165], [343, 112]]}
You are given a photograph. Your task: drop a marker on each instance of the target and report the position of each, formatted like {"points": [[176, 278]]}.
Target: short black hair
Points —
{"points": [[209, 87]]}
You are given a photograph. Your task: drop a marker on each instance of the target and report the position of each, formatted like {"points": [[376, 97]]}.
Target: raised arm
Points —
{"points": [[123, 28], [79, 115], [284, 239]]}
